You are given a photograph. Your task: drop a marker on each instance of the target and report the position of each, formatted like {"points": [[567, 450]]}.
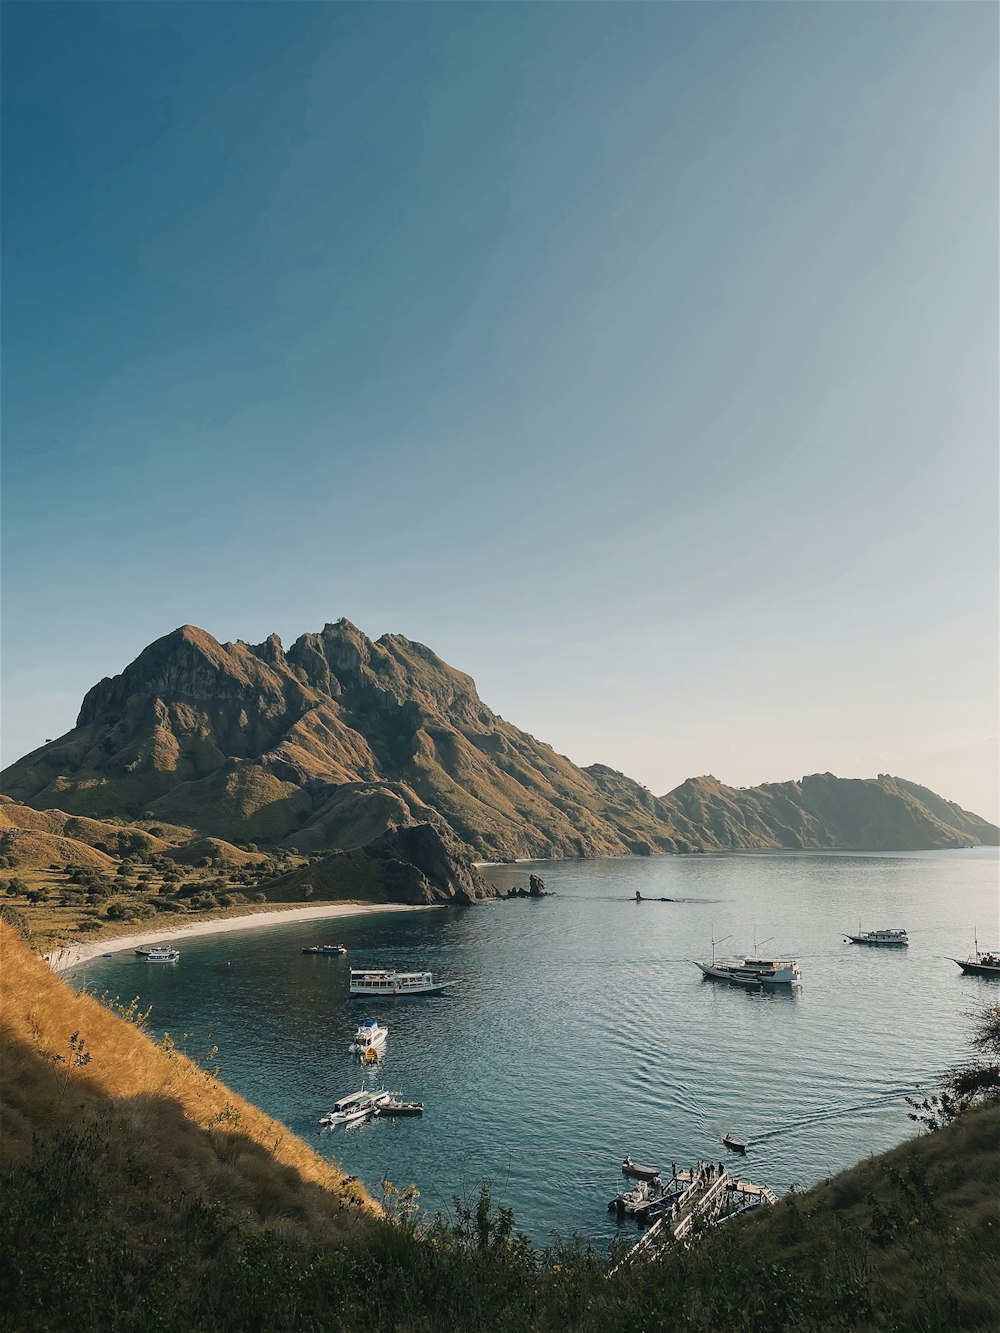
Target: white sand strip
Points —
{"points": [[72, 955]]}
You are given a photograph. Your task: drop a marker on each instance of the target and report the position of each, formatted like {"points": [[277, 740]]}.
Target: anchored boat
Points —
{"points": [[983, 963], [356, 1106], [370, 1037], [382, 981], [751, 971], [162, 954], [893, 939]]}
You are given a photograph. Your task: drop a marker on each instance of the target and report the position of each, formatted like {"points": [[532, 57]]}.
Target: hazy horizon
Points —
{"points": [[640, 360]]}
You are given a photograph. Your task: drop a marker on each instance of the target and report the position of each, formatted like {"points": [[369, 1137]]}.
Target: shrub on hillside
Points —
{"points": [[16, 919], [122, 910]]}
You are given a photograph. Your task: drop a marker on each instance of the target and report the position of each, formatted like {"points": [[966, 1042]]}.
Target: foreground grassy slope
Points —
{"points": [[165, 1132], [138, 1192]]}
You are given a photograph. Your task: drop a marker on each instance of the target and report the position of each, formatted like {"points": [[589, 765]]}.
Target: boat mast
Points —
{"points": [[715, 942]]}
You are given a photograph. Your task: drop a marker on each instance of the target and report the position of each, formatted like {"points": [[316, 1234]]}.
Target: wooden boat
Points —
{"points": [[893, 939], [751, 971], [734, 1144], [983, 963], [630, 1168]]}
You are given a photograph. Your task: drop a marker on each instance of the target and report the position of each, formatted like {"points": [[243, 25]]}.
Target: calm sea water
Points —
{"points": [[580, 1029]]}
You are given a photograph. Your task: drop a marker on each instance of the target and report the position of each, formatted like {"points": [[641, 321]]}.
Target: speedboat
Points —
{"points": [[890, 938], [162, 953], [325, 948], [382, 981], [356, 1106], [369, 1037]]}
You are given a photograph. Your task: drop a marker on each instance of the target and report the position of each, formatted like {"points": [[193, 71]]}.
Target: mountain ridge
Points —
{"points": [[340, 738]]}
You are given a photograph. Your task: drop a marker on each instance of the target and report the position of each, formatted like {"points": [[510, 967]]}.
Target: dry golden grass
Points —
{"points": [[69, 1062]]}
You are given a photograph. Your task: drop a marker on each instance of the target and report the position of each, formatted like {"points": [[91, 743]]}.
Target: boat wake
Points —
{"points": [[872, 1103]]}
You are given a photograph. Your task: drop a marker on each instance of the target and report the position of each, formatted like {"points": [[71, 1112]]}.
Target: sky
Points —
{"points": [[641, 359]]}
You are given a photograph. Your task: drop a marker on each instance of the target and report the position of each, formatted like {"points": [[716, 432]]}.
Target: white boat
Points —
{"points": [[890, 938], [161, 953], [356, 1106], [751, 971], [369, 1037], [382, 981]]}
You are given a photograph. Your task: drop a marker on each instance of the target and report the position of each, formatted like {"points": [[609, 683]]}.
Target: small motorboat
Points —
{"points": [[628, 1202], [370, 1037], [630, 1168], [400, 1108], [356, 1106], [734, 1144], [325, 949]]}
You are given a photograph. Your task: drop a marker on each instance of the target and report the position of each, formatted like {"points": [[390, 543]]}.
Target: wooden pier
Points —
{"points": [[707, 1189]]}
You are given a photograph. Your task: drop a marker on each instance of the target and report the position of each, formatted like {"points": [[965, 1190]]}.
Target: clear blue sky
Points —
{"points": [[640, 359]]}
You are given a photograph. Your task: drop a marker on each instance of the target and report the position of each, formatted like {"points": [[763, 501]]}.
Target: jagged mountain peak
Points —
{"points": [[341, 738]]}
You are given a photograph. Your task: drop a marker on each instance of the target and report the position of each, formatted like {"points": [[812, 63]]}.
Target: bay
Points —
{"points": [[580, 1029]]}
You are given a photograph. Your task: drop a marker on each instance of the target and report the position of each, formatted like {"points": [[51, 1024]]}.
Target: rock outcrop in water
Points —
{"points": [[341, 740]]}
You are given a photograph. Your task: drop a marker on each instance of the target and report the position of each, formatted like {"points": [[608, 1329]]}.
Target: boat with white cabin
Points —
{"points": [[384, 981], [356, 1106], [893, 939], [161, 953], [370, 1036], [751, 970]]}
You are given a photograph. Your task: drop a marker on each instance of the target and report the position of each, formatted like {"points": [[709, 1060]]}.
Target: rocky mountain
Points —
{"points": [[863, 814], [341, 740], [329, 746]]}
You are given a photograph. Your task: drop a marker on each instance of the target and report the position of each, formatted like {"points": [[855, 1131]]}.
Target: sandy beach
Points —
{"points": [[72, 955]]}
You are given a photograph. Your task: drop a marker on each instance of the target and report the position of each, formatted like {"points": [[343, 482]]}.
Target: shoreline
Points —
{"points": [[73, 955]]}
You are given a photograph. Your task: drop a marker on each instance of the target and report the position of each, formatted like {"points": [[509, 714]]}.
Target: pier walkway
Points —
{"points": [[708, 1188]]}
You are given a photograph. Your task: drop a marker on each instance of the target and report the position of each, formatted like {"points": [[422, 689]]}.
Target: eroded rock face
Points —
{"points": [[416, 865], [328, 745]]}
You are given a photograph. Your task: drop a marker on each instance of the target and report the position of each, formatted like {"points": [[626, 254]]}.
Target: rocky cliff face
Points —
{"points": [[416, 865], [328, 746], [341, 739]]}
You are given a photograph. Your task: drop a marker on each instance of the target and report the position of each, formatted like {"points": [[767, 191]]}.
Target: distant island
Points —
{"points": [[351, 767]]}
